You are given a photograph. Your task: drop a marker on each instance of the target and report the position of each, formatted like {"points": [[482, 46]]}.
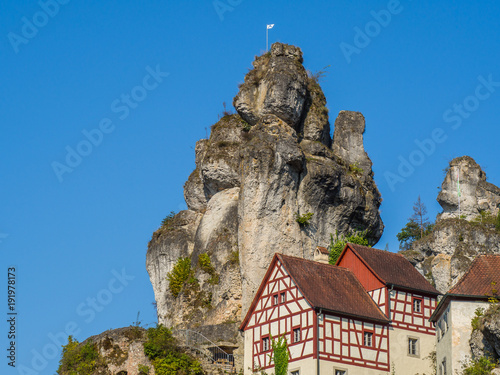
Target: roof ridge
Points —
{"points": [[374, 248]]}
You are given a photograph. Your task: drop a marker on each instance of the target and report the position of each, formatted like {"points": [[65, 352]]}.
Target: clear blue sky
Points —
{"points": [[103, 65]]}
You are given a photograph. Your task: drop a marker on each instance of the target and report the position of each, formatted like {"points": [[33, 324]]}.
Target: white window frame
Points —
{"points": [[295, 330], [417, 346], [283, 297], [419, 311], [368, 334], [266, 344]]}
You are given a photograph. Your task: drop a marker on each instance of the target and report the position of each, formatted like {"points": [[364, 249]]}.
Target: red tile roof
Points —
{"points": [[331, 288], [484, 270], [392, 268], [475, 284]]}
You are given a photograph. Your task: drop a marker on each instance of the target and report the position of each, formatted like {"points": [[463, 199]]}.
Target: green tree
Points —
{"points": [[337, 244], [418, 226], [179, 275], [78, 359], [479, 366], [166, 356], [280, 355]]}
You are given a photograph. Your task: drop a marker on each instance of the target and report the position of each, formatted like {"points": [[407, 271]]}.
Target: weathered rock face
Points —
{"points": [[259, 169], [122, 351], [486, 339], [446, 254], [477, 195]]}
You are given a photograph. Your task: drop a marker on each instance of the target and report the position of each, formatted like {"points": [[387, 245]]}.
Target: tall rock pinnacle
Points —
{"points": [[258, 172]]}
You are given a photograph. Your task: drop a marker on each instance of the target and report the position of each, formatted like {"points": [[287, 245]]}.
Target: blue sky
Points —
{"points": [[132, 86]]}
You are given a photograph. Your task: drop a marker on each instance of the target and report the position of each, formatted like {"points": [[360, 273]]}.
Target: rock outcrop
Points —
{"points": [[445, 255], [121, 351], [259, 171], [486, 339], [476, 194]]}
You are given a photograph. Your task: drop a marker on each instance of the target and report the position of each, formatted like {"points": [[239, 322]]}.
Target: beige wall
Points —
{"points": [[405, 364], [454, 345], [328, 368]]}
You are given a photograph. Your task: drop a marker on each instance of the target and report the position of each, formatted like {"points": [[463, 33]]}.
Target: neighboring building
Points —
{"points": [[454, 313], [404, 296], [337, 320]]}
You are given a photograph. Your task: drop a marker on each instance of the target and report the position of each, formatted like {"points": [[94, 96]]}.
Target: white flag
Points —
{"points": [[270, 26]]}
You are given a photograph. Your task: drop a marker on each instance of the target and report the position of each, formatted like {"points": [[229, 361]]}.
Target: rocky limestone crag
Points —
{"points": [[485, 340], [446, 253], [257, 171], [477, 195], [122, 351]]}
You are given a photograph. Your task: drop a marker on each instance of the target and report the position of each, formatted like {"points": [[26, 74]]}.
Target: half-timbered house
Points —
{"points": [[341, 320], [406, 298]]}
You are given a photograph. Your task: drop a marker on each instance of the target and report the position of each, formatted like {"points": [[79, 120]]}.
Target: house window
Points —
{"points": [[417, 305], [283, 297], [412, 346], [296, 372], [340, 372], [265, 344], [296, 335], [445, 322], [275, 300], [367, 338]]}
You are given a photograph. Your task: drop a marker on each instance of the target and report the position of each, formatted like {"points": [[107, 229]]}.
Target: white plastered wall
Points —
{"points": [[405, 364], [456, 348]]}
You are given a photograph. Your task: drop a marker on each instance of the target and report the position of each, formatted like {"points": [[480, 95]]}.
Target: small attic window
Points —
{"points": [[417, 305]]}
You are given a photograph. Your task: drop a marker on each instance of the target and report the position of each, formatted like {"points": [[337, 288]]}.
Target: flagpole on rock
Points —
{"points": [[458, 190], [267, 35], [267, 38]]}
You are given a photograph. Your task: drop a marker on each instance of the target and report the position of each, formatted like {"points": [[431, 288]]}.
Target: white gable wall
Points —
{"points": [[454, 343]]}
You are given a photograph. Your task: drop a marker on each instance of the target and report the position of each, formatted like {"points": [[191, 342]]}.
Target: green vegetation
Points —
{"points": [[79, 359], [337, 244], [355, 169], [497, 222], [206, 265], [234, 257], [485, 217], [169, 220], [166, 356], [179, 275], [479, 366], [477, 318], [303, 220], [418, 226], [143, 369], [280, 355]]}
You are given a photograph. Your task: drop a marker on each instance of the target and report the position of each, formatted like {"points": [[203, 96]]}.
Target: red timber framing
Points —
{"points": [[341, 335], [269, 319], [403, 315], [341, 341], [384, 286]]}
